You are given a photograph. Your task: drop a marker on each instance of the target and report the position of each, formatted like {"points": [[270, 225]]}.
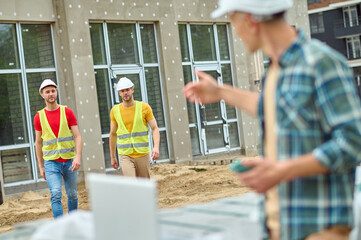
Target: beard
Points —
{"points": [[51, 100], [127, 98]]}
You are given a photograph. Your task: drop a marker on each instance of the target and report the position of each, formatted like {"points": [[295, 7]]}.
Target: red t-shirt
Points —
{"points": [[54, 122]]}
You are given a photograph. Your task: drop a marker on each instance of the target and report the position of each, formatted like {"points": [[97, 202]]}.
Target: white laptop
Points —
{"points": [[124, 208]]}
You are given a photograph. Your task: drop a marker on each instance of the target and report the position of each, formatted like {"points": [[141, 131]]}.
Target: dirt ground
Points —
{"points": [[178, 185]]}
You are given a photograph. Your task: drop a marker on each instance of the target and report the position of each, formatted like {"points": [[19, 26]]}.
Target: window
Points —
{"points": [[353, 47], [358, 84], [130, 50], [27, 58], [350, 16], [313, 1], [213, 128], [316, 23]]}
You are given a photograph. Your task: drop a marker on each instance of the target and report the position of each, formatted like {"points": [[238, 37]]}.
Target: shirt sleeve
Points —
{"points": [[112, 118], [70, 116], [340, 115], [37, 124], [148, 112]]}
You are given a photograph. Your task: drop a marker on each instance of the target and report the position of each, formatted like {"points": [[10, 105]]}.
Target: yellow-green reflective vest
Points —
{"points": [[138, 138], [53, 147]]}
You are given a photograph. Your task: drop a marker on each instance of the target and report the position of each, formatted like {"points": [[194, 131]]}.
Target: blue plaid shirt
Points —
{"points": [[318, 111]]}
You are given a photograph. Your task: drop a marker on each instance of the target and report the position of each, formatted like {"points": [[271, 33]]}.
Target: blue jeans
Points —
{"points": [[54, 172]]}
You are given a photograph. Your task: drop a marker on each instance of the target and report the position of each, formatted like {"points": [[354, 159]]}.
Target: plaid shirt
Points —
{"points": [[318, 111]]}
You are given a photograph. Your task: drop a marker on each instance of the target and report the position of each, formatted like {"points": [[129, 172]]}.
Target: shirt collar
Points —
{"points": [[293, 52]]}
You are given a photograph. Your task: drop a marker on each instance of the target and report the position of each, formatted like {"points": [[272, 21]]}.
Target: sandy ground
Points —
{"points": [[178, 185]]}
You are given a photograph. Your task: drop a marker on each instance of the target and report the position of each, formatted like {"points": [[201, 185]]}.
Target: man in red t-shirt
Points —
{"points": [[59, 143]]}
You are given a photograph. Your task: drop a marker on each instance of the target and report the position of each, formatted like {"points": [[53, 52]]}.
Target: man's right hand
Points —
{"points": [[205, 91], [114, 163]]}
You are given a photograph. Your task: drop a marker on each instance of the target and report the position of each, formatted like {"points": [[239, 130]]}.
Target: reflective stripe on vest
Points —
{"points": [[53, 147], [62, 139], [138, 139], [130, 145], [66, 150]]}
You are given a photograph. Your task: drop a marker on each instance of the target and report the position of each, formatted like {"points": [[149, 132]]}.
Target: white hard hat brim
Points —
{"points": [[251, 6], [219, 12], [124, 87]]}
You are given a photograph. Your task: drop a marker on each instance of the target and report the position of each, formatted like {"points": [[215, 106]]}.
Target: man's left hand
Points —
{"points": [[76, 163], [155, 153], [263, 175]]}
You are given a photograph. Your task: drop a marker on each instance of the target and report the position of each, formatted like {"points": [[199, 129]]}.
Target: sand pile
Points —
{"points": [[178, 185]]}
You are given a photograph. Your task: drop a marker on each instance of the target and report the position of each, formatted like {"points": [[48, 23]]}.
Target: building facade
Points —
{"points": [[338, 23], [86, 45]]}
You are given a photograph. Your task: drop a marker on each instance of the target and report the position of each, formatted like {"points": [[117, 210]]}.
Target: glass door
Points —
{"points": [[212, 119]]}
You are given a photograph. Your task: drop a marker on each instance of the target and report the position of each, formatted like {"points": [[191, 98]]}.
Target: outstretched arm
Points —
{"points": [[208, 91]]}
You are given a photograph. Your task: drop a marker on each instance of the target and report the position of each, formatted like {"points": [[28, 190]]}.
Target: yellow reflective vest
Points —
{"points": [[54, 147], [138, 139]]}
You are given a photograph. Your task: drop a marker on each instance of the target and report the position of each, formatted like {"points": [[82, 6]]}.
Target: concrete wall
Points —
{"points": [[70, 19]]}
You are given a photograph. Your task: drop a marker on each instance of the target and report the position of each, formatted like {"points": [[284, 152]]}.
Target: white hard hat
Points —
{"points": [[46, 83], [124, 83], [255, 7]]}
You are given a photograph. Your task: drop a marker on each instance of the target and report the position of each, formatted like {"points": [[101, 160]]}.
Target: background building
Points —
{"points": [[86, 45], [338, 23]]}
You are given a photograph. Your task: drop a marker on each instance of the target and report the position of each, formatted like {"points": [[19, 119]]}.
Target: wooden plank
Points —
{"points": [[15, 168]]}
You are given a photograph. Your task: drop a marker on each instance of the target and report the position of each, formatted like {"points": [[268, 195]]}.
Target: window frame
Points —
{"points": [[218, 63], [23, 71]]}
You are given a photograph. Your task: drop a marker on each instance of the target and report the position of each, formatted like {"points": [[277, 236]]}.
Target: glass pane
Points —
{"points": [[187, 73], [104, 98], [106, 150], [97, 41], [214, 136], [354, 16], [163, 146], [9, 58], [349, 49], [233, 135], [34, 81], [155, 94], [321, 27], [148, 43], [184, 42], [38, 46], [196, 148], [212, 111], [203, 43], [16, 165], [227, 79], [137, 95], [13, 128], [357, 47], [123, 43], [223, 42]]}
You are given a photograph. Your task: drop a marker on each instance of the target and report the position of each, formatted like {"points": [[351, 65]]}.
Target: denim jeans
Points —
{"points": [[54, 172]]}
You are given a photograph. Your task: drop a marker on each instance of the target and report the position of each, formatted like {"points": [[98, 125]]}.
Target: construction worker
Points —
{"points": [[58, 142], [129, 133], [310, 118]]}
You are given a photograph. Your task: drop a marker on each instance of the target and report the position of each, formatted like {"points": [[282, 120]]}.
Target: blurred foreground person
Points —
{"points": [[310, 118]]}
